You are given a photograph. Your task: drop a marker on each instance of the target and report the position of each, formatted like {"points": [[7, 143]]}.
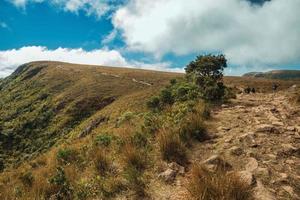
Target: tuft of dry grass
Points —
{"points": [[101, 162], [134, 157], [171, 147], [218, 185]]}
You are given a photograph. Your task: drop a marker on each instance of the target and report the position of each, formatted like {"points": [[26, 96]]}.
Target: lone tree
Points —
{"points": [[206, 71]]}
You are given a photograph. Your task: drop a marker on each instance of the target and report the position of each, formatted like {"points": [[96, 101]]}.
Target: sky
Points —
{"points": [[254, 35]]}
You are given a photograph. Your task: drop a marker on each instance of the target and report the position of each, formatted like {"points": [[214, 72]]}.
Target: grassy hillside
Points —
{"points": [[275, 74], [42, 102]]}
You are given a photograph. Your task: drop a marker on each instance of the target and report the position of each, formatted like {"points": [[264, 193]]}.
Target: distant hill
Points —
{"points": [[275, 74]]}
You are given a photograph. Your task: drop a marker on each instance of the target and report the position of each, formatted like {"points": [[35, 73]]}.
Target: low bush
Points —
{"points": [[59, 186], [103, 139], [154, 103], [67, 156], [152, 123], [166, 96], [171, 147], [193, 128], [207, 185]]}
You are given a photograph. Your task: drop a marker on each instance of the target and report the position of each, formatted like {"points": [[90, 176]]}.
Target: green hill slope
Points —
{"points": [[42, 102], [275, 74]]}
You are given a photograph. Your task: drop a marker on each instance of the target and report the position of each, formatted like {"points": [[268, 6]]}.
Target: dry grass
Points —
{"points": [[134, 157], [217, 185], [193, 128], [101, 162], [171, 147]]}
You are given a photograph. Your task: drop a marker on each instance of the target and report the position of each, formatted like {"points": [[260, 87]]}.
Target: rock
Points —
{"points": [[261, 193], [290, 162], [224, 106], [222, 128], [290, 128], [247, 137], [262, 128], [94, 124], [168, 176], [247, 177], [261, 171], [277, 123], [216, 161], [237, 151], [177, 168], [251, 165]]}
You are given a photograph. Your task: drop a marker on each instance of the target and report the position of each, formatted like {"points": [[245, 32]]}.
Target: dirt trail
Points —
{"points": [[258, 133]]}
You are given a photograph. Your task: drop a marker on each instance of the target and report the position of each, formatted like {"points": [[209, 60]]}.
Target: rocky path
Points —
{"points": [[259, 135]]}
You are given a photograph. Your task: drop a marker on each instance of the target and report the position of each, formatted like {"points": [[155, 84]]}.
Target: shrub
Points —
{"points": [[103, 140], [173, 81], [193, 128], [171, 147], [207, 185], [154, 103], [152, 123], [214, 93], [67, 156], [27, 179], [60, 186], [134, 157], [101, 162], [166, 96], [110, 186], [125, 117], [139, 140]]}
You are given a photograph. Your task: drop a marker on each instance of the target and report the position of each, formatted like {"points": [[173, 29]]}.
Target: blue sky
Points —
{"points": [[159, 35]]}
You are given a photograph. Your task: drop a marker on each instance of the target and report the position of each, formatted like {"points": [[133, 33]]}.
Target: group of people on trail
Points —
{"points": [[249, 90]]}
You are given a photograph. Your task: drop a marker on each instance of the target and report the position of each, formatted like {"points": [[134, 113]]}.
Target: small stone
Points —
{"points": [[216, 161], [266, 128], [290, 128], [251, 165], [168, 176], [178, 168], [224, 106], [237, 151], [247, 177], [277, 123], [262, 171], [290, 162], [288, 150]]}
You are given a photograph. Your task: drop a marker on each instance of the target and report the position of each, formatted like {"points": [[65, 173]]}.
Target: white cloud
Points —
{"points": [[96, 8], [11, 59], [248, 34]]}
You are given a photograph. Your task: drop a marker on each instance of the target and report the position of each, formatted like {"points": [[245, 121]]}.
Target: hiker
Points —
{"points": [[274, 87], [247, 90]]}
